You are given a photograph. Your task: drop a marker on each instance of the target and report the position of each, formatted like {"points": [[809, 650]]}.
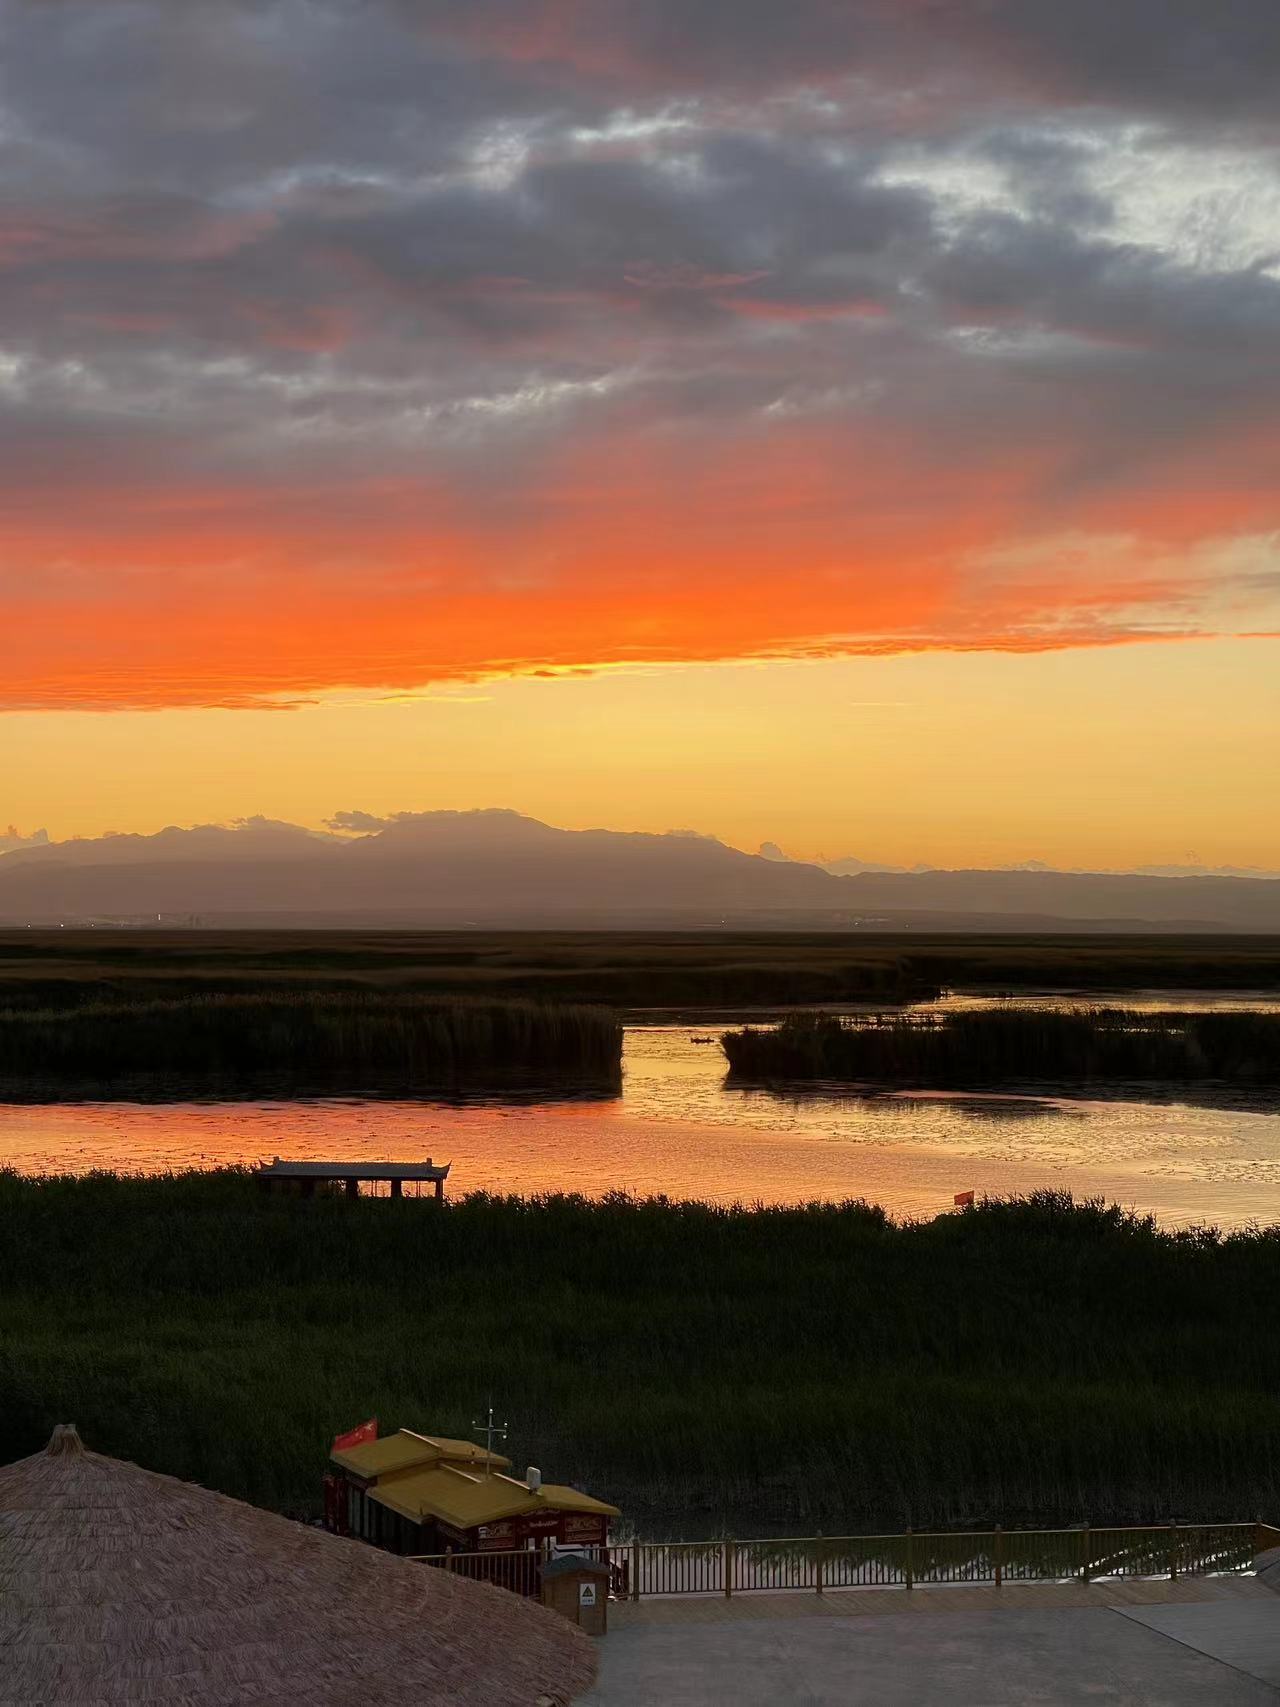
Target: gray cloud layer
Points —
{"points": [[295, 245]]}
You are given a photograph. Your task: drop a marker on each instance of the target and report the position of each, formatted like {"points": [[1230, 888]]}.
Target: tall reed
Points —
{"points": [[1004, 1046], [399, 1041], [776, 1371]]}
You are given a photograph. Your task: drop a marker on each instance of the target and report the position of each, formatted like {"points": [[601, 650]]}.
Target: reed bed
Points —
{"points": [[621, 969], [347, 1039], [997, 1047], [618, 969], [783, 1371]]}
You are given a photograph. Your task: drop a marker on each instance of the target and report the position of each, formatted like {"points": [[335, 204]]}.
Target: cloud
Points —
{"points": [[376, 346], [358, 823], [1168, 56]]}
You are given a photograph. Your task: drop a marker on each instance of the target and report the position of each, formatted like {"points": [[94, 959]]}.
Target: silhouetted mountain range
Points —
{"points": [[499, 868]]}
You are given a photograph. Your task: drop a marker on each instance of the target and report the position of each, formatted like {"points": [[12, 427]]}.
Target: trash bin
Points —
{"points": [[578, 1587]]}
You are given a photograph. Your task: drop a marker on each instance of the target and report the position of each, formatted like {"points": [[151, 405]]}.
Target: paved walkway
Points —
{"points": [[1232, 1631], [1143, 1644]]}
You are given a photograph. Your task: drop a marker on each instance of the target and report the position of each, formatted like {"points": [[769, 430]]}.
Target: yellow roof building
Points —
{"points": [[465, 1498], [454, 1489], [373, 1460]]}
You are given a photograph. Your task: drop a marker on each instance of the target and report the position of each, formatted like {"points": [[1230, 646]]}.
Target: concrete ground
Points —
{"points": [[1149, 1645]]}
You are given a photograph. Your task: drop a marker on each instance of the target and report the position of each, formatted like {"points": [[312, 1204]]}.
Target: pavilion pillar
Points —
{"points": [[353, 1187], [439, 1191], [397, 1188]]}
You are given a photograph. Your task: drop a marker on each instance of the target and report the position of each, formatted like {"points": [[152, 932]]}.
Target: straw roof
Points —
{"points": [[120, 1585]]}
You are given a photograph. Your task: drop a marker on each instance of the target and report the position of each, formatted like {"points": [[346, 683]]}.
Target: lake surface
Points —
{"points": [[677, 1128]]}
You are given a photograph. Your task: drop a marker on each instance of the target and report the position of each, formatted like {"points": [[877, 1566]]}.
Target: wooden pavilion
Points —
{"points": [[306, 1176]]}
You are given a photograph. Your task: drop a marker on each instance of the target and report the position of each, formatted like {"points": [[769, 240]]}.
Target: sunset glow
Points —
{"points": [[581, 407]]}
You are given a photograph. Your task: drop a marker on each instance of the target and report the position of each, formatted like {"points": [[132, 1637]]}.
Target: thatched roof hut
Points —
{"points": [[117, 1584]]}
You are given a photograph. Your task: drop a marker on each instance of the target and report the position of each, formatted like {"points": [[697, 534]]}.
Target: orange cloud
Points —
{"points": [[653, 548]]}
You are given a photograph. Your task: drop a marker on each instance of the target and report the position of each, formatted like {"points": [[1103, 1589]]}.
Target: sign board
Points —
{"points": [[586, 1594], [581, 1526], [540, 1523]]}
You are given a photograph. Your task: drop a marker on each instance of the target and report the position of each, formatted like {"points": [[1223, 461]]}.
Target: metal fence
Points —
{"points": [[819, 1563]]}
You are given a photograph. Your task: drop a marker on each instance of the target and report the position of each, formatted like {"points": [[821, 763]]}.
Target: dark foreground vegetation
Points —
{"points": [[1015, 1046], [762, 1371], [621, 969], [312, 1040]]}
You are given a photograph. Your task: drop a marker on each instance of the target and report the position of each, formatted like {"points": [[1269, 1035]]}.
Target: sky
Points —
{"points": [[847, 423]]}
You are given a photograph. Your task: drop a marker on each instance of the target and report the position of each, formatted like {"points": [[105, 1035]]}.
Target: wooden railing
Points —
{"points": [[517, 1569], [913, 1560], [819, 1563]]}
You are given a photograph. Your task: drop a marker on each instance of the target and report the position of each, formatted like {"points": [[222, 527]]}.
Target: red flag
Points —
{"points": [[964, 1200], [356, 1436]]}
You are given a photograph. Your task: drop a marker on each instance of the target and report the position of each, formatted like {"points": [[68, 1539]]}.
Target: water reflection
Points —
{"points": [[169, 1088], [971, 1105], [675, 1127]]}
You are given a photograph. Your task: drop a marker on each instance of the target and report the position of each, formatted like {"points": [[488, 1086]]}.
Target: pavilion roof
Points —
{"points": [[278, 1168]]}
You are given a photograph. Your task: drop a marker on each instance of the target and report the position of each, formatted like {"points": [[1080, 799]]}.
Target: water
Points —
{"points": [[677, 1128]]}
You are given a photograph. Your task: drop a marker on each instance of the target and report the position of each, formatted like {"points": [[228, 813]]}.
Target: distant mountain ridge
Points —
{"points": [[850, 866], [500, 868]]}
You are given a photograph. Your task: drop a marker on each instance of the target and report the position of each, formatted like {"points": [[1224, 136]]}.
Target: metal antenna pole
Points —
{"points": [[491, 1431]]}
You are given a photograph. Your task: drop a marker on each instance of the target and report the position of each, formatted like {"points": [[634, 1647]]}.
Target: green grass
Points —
{"points": [[775, 1371], [995, 1047], [309, 1040]]}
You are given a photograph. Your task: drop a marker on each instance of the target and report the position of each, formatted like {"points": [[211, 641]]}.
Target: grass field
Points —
{"points": [[310, 1040], [996, 1047], [778, 1371], [623, 970]]}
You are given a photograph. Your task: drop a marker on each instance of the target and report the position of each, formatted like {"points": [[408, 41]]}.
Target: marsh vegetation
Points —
{"points": [[995, 1047], [775, 1371], [629, 971], [308, 1041]]}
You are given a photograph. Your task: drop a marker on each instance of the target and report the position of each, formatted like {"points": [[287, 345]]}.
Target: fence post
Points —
{"points": [[1173, 1552], [999, 1555], [910, 1570], [728, 1569], [635, 1570], [1084, 1568], [822, 1561]]}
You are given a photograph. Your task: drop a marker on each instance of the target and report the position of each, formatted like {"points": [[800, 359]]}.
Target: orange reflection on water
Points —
{"points": [[678, 1129]]}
